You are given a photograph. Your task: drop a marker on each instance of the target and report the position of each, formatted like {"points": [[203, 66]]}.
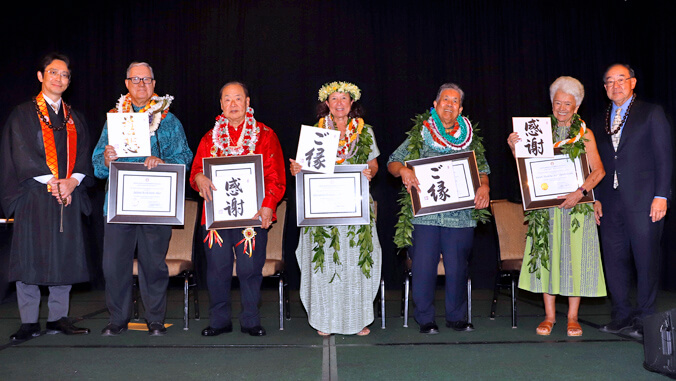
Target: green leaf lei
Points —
{"points": [[538, 220], [361, 235], [403, 235]]}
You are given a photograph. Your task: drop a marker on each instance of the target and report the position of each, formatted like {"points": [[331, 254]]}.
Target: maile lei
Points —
{"points": [[426, 130], [354, 148], [223, 146], [157, 109], [538, 220]]}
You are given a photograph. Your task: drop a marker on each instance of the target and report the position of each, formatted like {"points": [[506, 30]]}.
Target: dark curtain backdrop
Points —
{"points": [[504, 54]]}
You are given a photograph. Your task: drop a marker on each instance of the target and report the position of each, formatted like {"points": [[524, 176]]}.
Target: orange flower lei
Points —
{"points": [[345, 144], [156, 104]]}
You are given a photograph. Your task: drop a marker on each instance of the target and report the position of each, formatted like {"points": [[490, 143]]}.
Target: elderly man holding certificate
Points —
{"points": [[442, 130], [566, 259], [237, 134], [167, 144]]}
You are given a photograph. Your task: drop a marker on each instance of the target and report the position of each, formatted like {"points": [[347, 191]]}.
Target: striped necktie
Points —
{"points": [[616, 139]]}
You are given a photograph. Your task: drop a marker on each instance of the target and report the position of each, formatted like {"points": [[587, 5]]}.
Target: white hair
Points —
{"points": [[135, 64], [567, 85]]}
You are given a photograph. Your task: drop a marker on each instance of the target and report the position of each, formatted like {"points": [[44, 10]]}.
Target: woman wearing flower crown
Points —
{"points": [[441, 130], [338, 291], [568, 261]]}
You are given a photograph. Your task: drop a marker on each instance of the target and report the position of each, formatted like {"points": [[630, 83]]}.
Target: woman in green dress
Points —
{"points": [[568, 261]]}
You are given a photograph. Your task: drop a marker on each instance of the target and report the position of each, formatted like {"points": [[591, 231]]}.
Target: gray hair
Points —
{"points": [[567, 85], [135, 64], [451, 86]]}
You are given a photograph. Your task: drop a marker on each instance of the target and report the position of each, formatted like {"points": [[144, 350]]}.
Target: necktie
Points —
{"points": [[616, 139]]}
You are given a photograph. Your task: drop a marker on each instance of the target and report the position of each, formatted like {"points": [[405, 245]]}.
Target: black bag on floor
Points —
{"points": [[659, 343]]}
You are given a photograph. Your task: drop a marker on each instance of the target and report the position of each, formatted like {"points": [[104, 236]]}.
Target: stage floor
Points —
{"points": [[493, 351]]}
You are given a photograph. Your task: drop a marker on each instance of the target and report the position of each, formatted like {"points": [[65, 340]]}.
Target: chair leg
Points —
{"points": [[382, 303], [281, 303], [407, 284], [135, 298], [469, 300], [186, 286], [513, 302], [287, 304]]}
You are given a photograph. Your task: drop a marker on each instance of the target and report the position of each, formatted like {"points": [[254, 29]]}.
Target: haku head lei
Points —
{"points": [[340, 87]]}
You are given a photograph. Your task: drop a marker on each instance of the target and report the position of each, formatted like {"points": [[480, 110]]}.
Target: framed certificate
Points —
{"points": [[543, 180], [239, 193], [447, 182], [339, 198], [138, 195]]}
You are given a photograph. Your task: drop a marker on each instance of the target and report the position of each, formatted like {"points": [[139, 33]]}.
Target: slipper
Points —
{"points": [[574, 328], [323, 333], [545, 328], [364, 332]]}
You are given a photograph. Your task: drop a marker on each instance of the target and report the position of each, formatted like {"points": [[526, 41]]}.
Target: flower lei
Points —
{"points": [[220, 136], [157, 109], [403, 236], [341, 87], [347, 147], [362, 235], [440, 141], [538, 220]]}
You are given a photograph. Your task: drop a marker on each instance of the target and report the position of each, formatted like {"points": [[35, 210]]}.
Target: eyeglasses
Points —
{"points": [[619, 82], [137, 80], [56, 73]]}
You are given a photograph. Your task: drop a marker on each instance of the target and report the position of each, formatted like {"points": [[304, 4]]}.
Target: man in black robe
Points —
{"points": [[44, 169]]}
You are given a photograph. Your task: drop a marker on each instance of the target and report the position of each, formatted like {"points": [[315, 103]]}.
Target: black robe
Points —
{"points": [[40, 254]]}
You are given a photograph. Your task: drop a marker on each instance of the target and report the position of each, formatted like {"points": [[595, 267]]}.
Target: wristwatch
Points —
{"points": [[584, 191]]}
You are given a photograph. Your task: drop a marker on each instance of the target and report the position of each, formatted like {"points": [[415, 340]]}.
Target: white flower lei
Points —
{"points": [[154, 108], [341, 87], [220, 136]]}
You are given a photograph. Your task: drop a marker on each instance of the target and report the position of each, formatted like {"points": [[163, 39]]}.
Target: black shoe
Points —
{"points": [[65, 326], [616, 326], [429, 329], [254, 331], [157, 328], [113, 329], [460, 326], [208, 331], [25, 332]]}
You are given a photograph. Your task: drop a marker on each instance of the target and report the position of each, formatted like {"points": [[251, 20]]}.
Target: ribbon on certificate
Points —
{"points": [[213, 235], [249, 241]]}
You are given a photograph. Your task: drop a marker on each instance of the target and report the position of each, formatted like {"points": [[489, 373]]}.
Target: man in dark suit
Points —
{"points": [[634, 141]]}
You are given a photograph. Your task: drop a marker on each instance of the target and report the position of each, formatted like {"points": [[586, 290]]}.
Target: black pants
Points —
{"points": [[220, 261], [119, 244]]}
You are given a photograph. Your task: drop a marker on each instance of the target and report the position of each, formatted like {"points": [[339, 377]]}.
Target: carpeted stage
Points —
{"points": [[493, 351]]}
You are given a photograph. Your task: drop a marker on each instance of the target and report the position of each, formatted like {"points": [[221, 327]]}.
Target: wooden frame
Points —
{"points": [[531, 172], [221, 211], [465, 182]]}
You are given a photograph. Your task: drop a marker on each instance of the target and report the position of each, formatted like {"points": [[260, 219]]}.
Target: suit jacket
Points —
{"points": [[643, 161]]}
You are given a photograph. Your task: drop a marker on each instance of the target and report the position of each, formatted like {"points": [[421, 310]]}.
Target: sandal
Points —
{"points": [[574, 328], [320, 333], [364, 332], [545, 328]]}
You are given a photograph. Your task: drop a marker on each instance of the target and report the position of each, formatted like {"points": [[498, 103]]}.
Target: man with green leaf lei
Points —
{"points": [[340, 265], [442, 130], [562, 255]]}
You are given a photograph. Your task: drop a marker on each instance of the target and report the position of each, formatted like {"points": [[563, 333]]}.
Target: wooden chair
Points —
{"points": [[274, 261], [511, 232], [179, 261], [440, 272]]}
